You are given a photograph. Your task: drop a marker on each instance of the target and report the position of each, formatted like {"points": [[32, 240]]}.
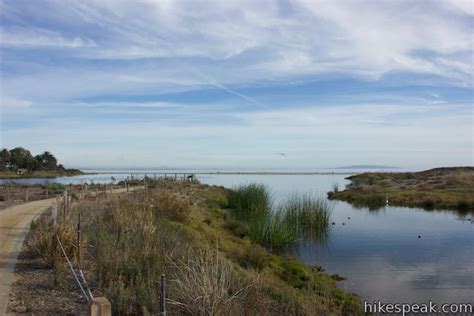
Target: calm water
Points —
{"points": [[378, 251]]}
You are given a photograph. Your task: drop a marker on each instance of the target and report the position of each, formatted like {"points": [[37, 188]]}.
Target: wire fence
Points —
{"points": [[63, 204]]}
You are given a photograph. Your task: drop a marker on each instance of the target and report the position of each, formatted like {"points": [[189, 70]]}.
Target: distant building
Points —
{"points": [[21, 171]]}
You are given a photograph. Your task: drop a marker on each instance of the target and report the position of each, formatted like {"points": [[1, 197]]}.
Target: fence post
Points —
{"points": [[64, 203], [54, 211], [26, 195], [162, 295], [79, 240]]}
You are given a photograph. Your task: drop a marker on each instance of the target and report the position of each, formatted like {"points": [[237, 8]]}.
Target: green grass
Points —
{"points": [[279, 228], [308, 216]]}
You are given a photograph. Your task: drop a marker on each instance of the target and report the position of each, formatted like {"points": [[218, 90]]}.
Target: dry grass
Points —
{"points": [[173, 230], [441, 188], [206, 284]]}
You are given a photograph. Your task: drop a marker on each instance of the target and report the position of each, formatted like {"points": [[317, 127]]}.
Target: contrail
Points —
{"points": [[216, 84]]}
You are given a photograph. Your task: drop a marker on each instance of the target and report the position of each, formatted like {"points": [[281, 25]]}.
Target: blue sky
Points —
{"points": [[229, 84]]}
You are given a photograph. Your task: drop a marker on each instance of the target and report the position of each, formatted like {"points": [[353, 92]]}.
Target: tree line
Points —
{"points": [[21, 158]]}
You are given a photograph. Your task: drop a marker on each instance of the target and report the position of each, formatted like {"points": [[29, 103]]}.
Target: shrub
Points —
{"points": [[253, 256], [173, 207], [46, 245], [54, 188], [205, 284]]}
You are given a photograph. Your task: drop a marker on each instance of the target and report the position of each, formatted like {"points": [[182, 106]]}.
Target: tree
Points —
{"points": [[47, 161], [4, 159], [22, 158]]}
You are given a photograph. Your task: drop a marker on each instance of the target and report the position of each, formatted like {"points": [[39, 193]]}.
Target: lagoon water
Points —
{"points": [[379, 251]]}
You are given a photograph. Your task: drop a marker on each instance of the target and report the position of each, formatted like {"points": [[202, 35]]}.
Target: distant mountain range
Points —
{"points": [[367, 167]]}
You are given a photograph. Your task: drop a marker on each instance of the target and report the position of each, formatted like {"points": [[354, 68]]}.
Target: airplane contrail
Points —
{"points": [[216, 84]]}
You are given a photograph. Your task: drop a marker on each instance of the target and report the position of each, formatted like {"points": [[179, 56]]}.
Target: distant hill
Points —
{"points": [[367, 167]]}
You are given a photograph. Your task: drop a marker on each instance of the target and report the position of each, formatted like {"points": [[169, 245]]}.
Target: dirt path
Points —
{"points": [[14, 225]]}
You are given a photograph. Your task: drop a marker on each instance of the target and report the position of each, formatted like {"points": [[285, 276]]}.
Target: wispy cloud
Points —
{"points": [[297, 76], [33, 38]]}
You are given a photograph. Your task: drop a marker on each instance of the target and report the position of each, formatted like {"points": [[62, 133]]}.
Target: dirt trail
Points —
{"points": [[14, 225]]}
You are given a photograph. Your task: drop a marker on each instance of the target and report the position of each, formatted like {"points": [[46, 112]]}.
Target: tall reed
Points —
{"points": [[279, 228], [307, 215]]}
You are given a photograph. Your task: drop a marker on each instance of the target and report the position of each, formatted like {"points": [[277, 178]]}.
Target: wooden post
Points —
{"points": [[54, 212], [47, 193], [162, 295], [100, 306], [26, 194], [79, 240], [175, 176], [8, 193]]}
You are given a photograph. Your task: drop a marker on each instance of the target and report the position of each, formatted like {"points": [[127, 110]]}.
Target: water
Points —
{"points": [[379, 252]]}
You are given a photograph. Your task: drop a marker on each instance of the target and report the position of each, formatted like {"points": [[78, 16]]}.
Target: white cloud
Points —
{"points": [[27, 37], [9, 104], [271, 39]]}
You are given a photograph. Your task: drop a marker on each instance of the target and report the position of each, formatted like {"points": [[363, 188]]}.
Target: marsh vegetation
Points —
{"points": [[278, 227], [216, 258], [440, 188]]}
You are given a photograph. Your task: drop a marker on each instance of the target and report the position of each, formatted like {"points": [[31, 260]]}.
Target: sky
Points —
{"points": [[231, 84]]}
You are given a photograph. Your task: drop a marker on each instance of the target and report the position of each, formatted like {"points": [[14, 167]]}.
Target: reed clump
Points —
{"points": [[279, 228]]}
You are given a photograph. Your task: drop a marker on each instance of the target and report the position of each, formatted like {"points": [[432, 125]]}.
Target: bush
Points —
{"points": [[173, 207], [253, 256], [46, 245], [205, 284], [54, 188]]}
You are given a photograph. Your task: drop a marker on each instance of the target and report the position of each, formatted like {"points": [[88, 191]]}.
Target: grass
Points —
{"points": [[440, 188], [182, 230], [278, 228]]}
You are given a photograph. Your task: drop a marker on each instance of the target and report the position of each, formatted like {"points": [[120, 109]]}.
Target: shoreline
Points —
{"points": [[439, 188], [40, 175]]}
